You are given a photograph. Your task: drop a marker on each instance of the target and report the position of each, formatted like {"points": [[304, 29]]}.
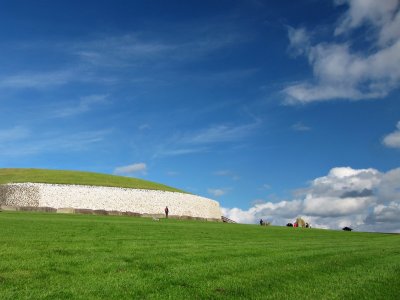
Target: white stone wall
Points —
{"points": [[110, 198]]}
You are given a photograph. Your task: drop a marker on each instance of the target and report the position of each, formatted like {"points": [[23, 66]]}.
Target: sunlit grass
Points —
{"points": [[78, 177], [50, 256]]}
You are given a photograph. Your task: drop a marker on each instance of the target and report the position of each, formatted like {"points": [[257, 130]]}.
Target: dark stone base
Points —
{"points": [[85, 211]]}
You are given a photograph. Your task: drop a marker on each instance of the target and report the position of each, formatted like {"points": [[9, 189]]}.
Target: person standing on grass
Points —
{"points": [[166, 211]]}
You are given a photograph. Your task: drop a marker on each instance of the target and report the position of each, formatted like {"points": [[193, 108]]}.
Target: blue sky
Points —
{"points": [[273, 108]]}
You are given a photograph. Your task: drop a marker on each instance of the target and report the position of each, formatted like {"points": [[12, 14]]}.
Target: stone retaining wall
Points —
{"points": [[94, 198]]}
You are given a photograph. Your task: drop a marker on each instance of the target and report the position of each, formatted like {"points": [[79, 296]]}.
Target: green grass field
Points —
{"points": [[77, 177], [53, 256]]}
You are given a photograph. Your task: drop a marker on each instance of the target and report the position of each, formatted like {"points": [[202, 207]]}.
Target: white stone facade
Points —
{"points": [[108, 198]]}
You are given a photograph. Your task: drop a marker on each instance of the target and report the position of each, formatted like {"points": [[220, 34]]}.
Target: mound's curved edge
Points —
{"points": [[108, 198]]}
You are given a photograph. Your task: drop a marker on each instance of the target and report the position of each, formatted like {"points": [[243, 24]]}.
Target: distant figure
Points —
{"points": [[347, 228], [295, 224], [307, 225], [261, 222], [289, 225], [166, 211]]}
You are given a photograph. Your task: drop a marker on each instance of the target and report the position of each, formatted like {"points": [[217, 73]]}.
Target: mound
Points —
{"points": [[92, 191], [79, 178]]}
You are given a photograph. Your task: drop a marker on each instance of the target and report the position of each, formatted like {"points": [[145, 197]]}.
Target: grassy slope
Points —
{"points": [[49, 256], [76, 177]]}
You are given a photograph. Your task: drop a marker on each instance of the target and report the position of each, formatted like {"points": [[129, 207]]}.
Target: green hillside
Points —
{"points": [[53, 256], [78, 177]]}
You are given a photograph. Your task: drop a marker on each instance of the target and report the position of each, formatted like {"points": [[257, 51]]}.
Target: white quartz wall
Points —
{"points": [[110, 198]]}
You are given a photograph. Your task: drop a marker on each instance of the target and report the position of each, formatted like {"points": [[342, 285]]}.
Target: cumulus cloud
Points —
{"points": [[365, 199], [389, 190], [343, 72], [278, 213], [392, 140], [384, 213], [138, 168], [383, 15]]}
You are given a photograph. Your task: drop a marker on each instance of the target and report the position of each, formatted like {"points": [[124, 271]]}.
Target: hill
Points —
{"points": [[78, 178], [53, 256]]}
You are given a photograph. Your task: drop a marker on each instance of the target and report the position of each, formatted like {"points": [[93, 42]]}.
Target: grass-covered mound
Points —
{"points": [[50, 256], [79, 178]]}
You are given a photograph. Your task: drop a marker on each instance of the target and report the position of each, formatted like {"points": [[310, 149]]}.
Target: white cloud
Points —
{"points": [[393, 139], [144, 52], [179, 151], [343, 180], [385, 213], [227, 173], [12, 134], [136, 49], [278, 213], [382, 14], [85, 104], [299, 126], [221, 133], [389, 187], [299, 41], [38, 80], [203, 140], [140, 168], [121, 51], [218, 192], [365, 199], [334, 206], [341, 72], [265, 186], [22, 141], [144, 126], [239, 215], [76, 141]]}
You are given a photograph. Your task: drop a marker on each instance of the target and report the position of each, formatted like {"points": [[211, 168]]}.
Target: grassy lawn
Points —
{"points": [[77, 177], [53, 256]]}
